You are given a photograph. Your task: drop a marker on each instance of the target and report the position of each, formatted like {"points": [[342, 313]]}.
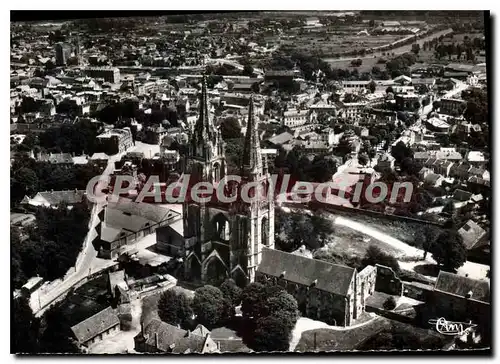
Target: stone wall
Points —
{"points": [[417, 291], [387, 281], [365, 286]]}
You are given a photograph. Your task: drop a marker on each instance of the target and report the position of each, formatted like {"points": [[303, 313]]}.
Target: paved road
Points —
{"points": [[87, 261]]}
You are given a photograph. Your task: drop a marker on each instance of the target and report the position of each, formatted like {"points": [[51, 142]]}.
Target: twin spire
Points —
{"points": [[252, 156], [204, 130]]}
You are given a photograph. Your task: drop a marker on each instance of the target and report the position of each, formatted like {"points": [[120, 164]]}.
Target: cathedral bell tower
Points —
{"points": [[254, 219], [205, 163]]}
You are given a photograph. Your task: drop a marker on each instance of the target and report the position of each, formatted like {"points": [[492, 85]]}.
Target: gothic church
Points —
{"points": [[222, 240]]}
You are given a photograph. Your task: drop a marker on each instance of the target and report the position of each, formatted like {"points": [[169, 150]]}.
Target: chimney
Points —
{"points": [[142, 328], [156, 340], [218, 346]]}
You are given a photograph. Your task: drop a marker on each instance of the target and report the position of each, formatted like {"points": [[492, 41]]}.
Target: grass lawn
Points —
{"points": [[354, 243]]}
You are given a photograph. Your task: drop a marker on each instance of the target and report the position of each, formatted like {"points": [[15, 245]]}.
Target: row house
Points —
{"points": [[452, 106], [351, 109], [294, 118]]}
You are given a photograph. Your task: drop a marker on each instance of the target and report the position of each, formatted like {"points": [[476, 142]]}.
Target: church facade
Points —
{"points": [[218, 239]]}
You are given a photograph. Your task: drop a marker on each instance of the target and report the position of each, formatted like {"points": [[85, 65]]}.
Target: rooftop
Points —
{"points": [[462, 286], [304, 271]]}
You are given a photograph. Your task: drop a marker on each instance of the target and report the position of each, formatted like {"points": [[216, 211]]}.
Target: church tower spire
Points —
{"points": [[252, 155], [203, 127]]}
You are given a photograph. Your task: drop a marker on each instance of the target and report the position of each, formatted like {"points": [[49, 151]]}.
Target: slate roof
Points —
{"points": [[304, 271], [232, 346], [99, 156], [167, 335], [201, 330], [281, 138], [432, 178], [460, 286], [479, 181], [462, 195], [471, 233], [57, 197], [147, 211], [56, 158], [95, 325]]}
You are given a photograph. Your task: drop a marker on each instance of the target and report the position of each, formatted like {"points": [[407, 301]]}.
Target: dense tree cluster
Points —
{"points": [[271, 314], [230, 128], [174, 308], [374, 255], [401, 64], [29, 176], [295, 229], [301, 168], [209, 306], [49, 335], [477, 106], [449, 250], [52, 247], [79, 138]]}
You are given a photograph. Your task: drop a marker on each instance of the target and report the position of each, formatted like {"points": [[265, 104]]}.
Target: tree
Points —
{"points": [[271, 334], [284, 306], [230, 128], [372, 86], [449, 208], [24, 328], [231, 291], [248, 70], [374, 256], [436, 105], [26, 181], [390, 304], [389, 90], [427, 237], [174, 308], [415, 48], [252, 297], [363, 159], [401, 151], [356, 62], [57, 336], [449, 250], [208, 305]]}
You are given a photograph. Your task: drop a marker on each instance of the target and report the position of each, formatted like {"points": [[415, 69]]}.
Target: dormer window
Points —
{"points": [[282, 275], [314, 283]]}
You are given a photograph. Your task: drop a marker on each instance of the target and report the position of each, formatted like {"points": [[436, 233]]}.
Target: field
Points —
{"points": [[337, 40], [406, 231], [352, 243], [366, 66]]}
